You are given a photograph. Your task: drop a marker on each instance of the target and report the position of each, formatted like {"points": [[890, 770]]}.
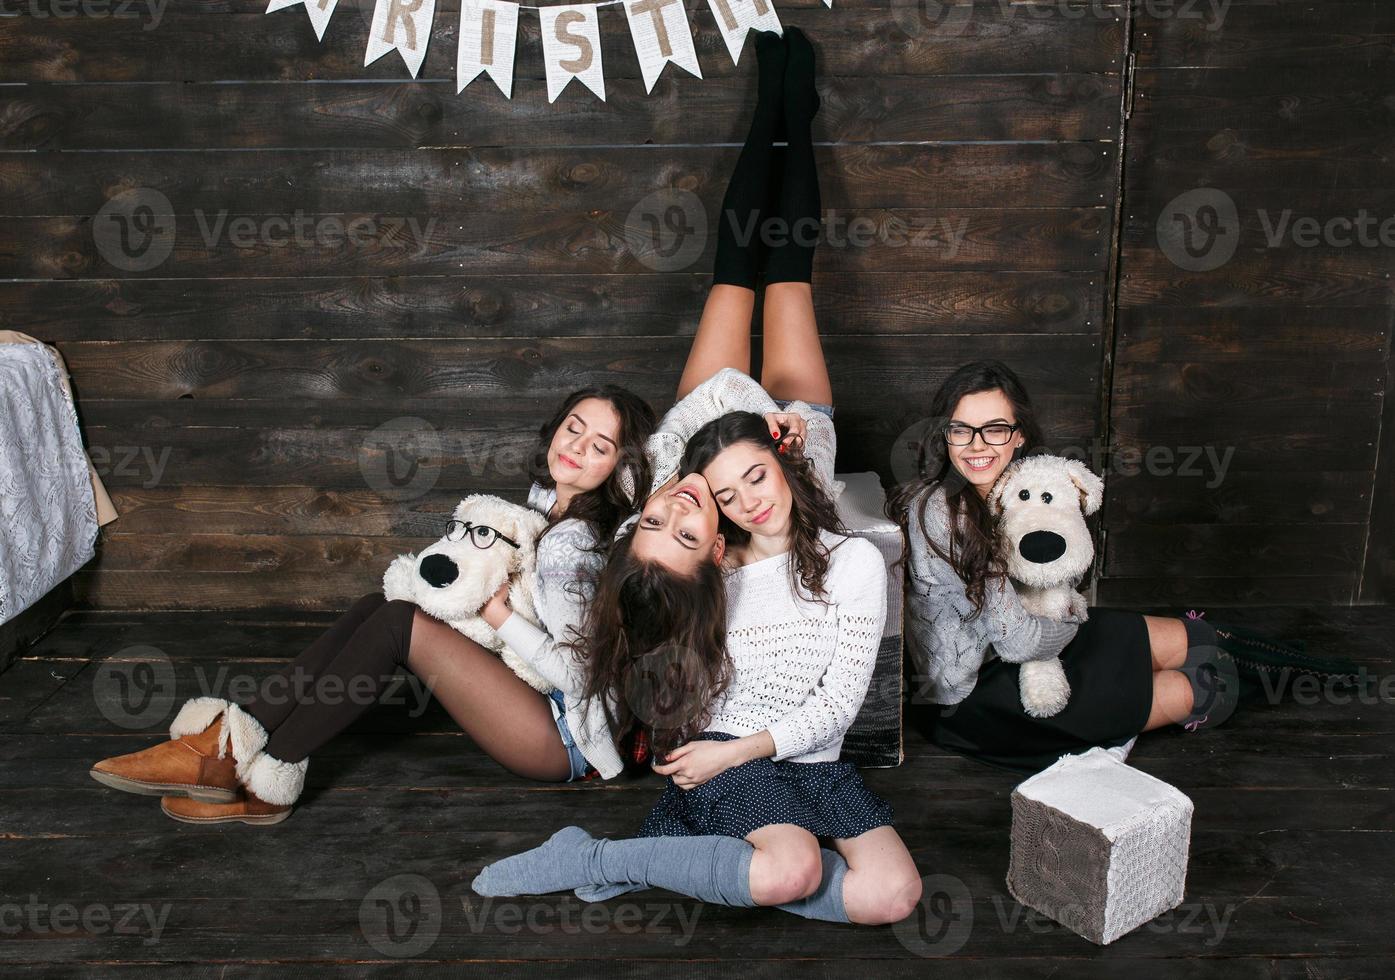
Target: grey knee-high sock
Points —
{"points": [[711, 868], [827, 902]]}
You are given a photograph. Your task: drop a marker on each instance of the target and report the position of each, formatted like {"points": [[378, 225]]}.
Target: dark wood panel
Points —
{"points": [[399, 371], [1211, 550], [564, 304], [1297, 495], [889, 108], [1239, 335], [1238, 586], [606, 242], [871, 39], [1150, 280], [1272, 36], [1328, 100], [525, 183]]}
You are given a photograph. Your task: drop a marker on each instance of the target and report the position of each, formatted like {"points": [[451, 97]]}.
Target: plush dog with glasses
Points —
{"points": [[487, 542]]}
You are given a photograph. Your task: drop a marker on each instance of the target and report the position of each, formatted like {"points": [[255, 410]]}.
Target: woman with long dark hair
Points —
{"points": [[967, 631], [735, 621], [228, 761]]}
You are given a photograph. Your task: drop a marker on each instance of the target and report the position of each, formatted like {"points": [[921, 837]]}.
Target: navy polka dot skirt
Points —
{"points": [[828, 799]]}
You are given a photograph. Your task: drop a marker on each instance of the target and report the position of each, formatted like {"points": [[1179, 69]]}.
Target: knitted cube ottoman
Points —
{"points": [[1098, 846]]}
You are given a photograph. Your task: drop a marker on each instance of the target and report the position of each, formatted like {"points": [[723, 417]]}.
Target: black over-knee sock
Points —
{"points": [[792, 260], [744, 205], [348, 685], [275, 703]]}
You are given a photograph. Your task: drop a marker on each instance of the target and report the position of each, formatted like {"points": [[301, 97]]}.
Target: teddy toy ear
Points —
{"points": [[1091, 487], [995, 496]]}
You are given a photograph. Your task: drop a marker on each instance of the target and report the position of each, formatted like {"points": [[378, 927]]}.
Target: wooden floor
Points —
{"points": [[1291, 866]]}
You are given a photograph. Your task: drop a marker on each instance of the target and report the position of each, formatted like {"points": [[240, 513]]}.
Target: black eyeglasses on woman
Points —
{"points": [[994, 433]]}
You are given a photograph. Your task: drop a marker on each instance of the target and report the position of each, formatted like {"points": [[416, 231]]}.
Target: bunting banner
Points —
{"points": [[488, 37], [319, 12], [660, 31], [403, 26], [571, 36], [736, 17]]}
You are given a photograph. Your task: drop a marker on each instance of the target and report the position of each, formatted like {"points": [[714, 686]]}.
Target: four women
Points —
{"points": [[732, 624]]}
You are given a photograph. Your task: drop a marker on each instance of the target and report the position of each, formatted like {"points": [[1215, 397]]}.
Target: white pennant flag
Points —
{"points": [[571, 37], [403, 26], [661, 34], [319, 11], [488, 37], [736, 17]]}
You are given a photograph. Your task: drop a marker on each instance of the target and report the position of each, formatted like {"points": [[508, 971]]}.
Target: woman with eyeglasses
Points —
{"points": [[967, 631], [246, 761]]}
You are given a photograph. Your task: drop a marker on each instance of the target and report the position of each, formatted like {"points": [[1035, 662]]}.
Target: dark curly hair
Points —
{"points": [[605, 507], [654, 647], [812, 509], [973, 530]]}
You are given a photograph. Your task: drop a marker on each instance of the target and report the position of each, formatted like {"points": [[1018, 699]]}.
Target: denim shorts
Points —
{"points": [[822, 409], [559, 712]]}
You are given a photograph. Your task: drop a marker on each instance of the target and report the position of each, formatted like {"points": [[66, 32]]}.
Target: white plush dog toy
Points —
{"points": [[1043, 501], [453, 578]]}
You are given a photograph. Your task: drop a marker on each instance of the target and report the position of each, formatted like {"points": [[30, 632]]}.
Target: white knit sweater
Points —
{"points": [[802, 667]]}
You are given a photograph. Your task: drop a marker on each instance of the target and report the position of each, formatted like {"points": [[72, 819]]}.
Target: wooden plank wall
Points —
{"points": [[232, 392], [1281, 353]]}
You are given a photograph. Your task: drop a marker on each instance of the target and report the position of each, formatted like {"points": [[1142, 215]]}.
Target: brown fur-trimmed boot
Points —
{"points": [[247, 808], [210, 741]]}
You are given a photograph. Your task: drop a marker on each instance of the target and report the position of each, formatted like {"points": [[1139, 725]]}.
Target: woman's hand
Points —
{"points": [[791, 424], [497, 609], [695, 763]]}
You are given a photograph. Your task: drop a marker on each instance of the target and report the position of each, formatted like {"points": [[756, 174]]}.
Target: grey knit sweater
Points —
{"points": [[948, 645]]}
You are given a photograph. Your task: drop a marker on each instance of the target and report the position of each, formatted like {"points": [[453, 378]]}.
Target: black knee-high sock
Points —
{"points": [[348, 685], [744, 205], [792, 259]]}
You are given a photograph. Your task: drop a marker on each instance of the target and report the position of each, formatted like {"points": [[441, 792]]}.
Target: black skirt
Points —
{"points": [[828, 799], [1110, 669]]}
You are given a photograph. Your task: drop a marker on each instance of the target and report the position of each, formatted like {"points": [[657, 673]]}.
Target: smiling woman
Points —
{"points": [[228, 761]]}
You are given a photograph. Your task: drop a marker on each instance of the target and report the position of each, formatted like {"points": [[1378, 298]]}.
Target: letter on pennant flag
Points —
{"points": [[736, 17], [571, 37], [488, 37], [403, 26], [318, 10], [661, 34]]}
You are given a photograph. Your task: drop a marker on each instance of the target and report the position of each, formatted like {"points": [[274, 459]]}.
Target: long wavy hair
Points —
{"points": [[812, 509], [973, 530], [654, 648], [605, 507]]}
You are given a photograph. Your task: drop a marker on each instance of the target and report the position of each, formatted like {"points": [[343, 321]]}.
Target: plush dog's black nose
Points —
{"points": [[439, 571], [1042, 547]]}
